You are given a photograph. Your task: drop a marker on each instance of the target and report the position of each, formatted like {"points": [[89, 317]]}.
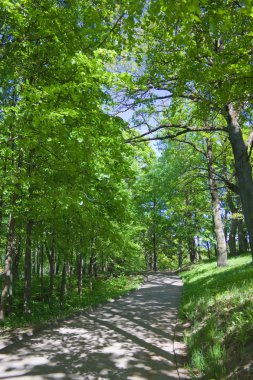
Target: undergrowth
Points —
{"points": [[45, 310], [218, 303]]}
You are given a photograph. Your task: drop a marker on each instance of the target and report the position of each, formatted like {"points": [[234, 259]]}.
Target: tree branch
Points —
{"points": [[231, 186], [111, 31], [185, 130], [195, 147]]}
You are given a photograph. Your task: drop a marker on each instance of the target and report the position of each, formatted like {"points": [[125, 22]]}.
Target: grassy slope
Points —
{"points": [[42, 311], [218, 303]]}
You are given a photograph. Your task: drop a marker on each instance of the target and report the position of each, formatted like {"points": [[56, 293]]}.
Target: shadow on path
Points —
{"points": [[128, 339]]}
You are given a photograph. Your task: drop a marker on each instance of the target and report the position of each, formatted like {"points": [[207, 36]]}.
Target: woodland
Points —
{"points": [[125, 141]]}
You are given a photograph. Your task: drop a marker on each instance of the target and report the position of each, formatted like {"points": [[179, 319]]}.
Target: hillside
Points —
{"points": [[218, 303]]}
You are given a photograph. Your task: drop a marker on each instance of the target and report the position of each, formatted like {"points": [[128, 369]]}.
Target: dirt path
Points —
{"points": [[129, 339]]}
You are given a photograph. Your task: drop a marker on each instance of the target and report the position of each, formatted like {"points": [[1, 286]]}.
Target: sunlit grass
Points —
{"points": [[218, 303]]}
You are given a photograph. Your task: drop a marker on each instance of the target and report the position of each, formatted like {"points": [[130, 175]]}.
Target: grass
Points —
{"points": [[44, 311], [218, 303]]}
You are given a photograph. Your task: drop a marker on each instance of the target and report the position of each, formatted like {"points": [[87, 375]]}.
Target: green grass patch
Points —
{"points": [[44, 310], [218, 303]]}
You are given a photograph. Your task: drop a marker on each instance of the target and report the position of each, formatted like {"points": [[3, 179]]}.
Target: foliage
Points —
{"points": [[174, 203], [195, 77], [66, 201]]}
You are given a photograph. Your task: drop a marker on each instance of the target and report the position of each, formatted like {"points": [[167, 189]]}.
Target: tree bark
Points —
{"points": [[92, 264], [28, 268], [180, 257], [243, 169], [51, 259], [218, 225], [10, 252], [198, 254], [1, 209], [150, 262], [242, 239], [233, 225], [80, 274], [192, 249], [42, 270], [63, 282], [15, 262], [208, 250], [154, 238], [37, 262], [147, 260], [3, 177], [232, 237], [154, 252], [93, 269]]}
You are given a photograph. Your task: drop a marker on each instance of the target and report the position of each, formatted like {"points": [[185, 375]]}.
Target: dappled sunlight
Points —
{"points": [[129, 339]]}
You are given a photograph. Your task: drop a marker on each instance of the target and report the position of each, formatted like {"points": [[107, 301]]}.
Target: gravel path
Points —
{"points": [[129, 339]]}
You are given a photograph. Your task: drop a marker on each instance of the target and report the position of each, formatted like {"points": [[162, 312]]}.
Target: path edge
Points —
{"points": [[180, 348], [26, 333]]}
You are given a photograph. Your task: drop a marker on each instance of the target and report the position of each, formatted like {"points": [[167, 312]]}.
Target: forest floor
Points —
{"points": [[132, 338]]}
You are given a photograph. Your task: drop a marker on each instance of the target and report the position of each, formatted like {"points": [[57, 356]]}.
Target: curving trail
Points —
{"points": [[128, 339]]}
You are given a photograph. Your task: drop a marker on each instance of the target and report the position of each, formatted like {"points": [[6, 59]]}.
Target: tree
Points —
{"points": [[66, 169], [173, 195], [201, 52]]}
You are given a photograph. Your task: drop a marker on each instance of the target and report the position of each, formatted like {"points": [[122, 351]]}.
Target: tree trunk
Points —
{"points": [[198, 255], [154, 242], [232, 237], [10, 251], [51, 259], [51, 274], [80, 274], [33, 262], [95, 266], [85, 264], [180, 257], [208, 250], [147, 259], [57, 266], [242, 239], [102, 260], [233, 225], [1, 209], [192, 249], [226, 232], [3, 178], [150, 261], [42, 270], [218, 225], [90, 271], [16, 260], [154, 252], [91, 264], [70, 271], [37, 262], [28, 268], [243, 169], [63, 282], [93, 259]]}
